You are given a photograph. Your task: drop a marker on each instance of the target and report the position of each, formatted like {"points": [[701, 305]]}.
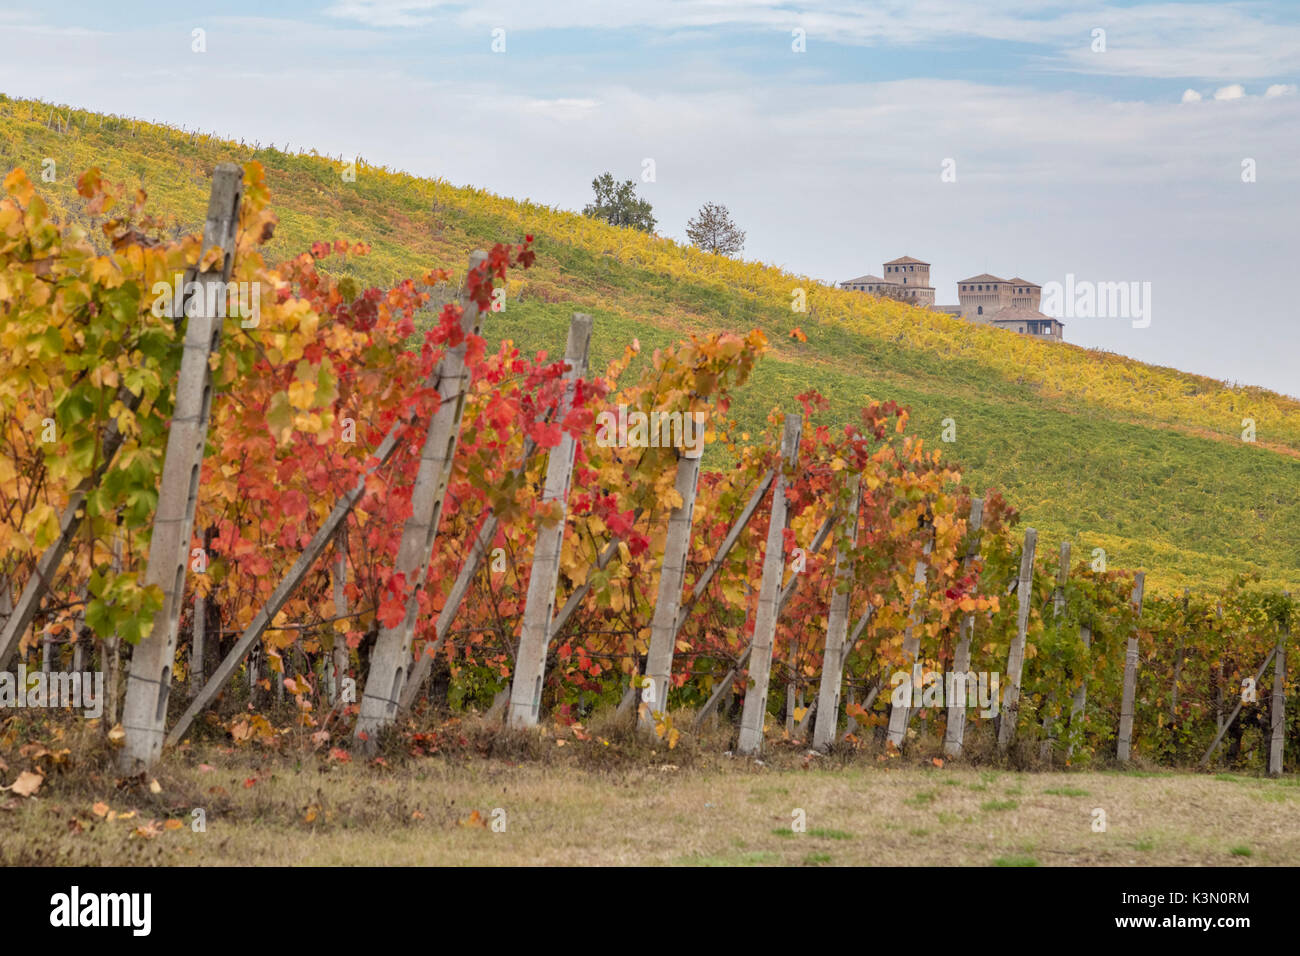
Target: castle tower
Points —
{"points": [[914, 276], [983, 295], [1025, 294]]}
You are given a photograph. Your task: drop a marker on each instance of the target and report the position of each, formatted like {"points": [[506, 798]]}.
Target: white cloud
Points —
{"points": [[1234, 92], [1191, 96], [1280, 89]]}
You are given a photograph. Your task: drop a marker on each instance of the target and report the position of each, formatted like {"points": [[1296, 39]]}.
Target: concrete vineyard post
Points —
{"points": [[534, 636], [672, 576], [837, 628], [760, 658], [1124, 743], [1277, 708], [149, 680], [1058, 609], [390, 659], [900, 714], [955, 732], [1016, 656]]}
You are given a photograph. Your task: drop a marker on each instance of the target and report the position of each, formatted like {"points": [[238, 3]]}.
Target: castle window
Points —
{"points": [[980, 310]]}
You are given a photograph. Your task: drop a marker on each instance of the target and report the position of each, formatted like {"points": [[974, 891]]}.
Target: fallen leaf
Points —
{"points": [[155, 787], [475, 819], [100, 809], [27, 783], [117, 735], [148, 831], [173, 825], [937, 761], [206, 768], [248, 782]]}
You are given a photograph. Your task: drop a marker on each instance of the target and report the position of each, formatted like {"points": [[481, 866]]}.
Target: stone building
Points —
{"points": [[1010, 304], [904, 278]]}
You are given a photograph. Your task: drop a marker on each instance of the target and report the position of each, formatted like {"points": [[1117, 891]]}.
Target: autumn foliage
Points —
{"points": [[304, 397]]}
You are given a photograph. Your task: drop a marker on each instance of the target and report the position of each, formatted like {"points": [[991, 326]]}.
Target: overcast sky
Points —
{"points": [[1122, 163]]}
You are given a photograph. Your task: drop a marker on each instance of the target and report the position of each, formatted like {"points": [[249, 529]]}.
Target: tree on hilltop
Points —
{"points": [[619, 205], [713, 230]]}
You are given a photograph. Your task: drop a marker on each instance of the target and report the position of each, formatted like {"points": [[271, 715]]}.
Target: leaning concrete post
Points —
{"points": [[149, 680], [1277, 709], [837, 628], [1124, 744], [1016, 657], [672, 576], [539, 607], [901, 714], [955, 732], [769, 593], [390, 659]]}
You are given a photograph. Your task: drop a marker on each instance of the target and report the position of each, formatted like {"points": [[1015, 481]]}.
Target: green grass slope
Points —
{"points": [[1145, 462]]}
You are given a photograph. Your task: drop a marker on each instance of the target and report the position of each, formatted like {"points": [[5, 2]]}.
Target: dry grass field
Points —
{"points": [[479, 798]]}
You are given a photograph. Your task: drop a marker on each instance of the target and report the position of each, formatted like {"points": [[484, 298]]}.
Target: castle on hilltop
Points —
{"points": [[1010, 304]]}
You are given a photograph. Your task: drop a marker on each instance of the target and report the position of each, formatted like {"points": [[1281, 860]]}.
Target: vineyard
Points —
{"points": [[269, 502], [1147, 463]]}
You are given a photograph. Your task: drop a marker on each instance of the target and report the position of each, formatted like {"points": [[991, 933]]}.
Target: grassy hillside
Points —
{"points": [[1143, 461]]}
